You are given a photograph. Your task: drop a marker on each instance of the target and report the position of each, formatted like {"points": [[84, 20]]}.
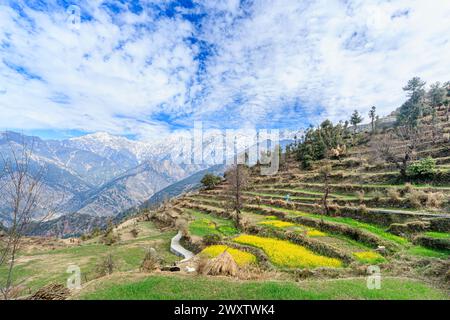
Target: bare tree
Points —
{"points": [[237, 177], [325, 171], [22, 188], [402, 154]]}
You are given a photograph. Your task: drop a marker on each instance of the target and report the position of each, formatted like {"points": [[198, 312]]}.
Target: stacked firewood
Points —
{"points": [[51, 292]]}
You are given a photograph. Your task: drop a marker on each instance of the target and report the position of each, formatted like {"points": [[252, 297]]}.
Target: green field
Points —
{"points": [[200, 288]]}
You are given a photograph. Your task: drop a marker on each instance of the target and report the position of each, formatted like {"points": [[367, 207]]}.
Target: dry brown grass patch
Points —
{"points": [[393, 194]]}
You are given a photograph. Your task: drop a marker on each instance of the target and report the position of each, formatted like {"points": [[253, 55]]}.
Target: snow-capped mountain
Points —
{"points": [[104, 175], [109, 146], [97, 174]]}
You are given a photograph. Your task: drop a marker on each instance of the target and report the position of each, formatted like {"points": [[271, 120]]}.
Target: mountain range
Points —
{"points": [[100, 176]]}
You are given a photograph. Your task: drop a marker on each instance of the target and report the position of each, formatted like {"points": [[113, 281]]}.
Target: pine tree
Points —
{"points": [[411, 111], [355, 119], [436, 94]]}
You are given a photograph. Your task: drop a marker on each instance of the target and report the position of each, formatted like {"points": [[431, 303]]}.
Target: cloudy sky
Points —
{"points": [[144, 68]]}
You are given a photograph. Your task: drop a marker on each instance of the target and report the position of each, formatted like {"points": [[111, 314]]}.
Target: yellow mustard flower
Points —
{"points": [[316, 233], [369, 257], [242, 258], [286, 254], [277, 223]]}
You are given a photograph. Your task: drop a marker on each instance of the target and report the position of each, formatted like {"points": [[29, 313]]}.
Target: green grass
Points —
{"points": [[201, 288], [202, 227], [206, 224], [438, 235], [426, 252]]}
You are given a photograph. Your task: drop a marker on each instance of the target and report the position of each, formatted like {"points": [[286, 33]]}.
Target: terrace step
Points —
{"points": [[349, 187], [380, 216]]}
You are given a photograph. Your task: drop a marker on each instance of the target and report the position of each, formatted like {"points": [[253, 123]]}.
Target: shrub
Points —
{"points": [[435, 200], [106, 266], [182, 225], [362, 208], [211, 239], [134, 232], [393, 194], [258, 200], [209, 181], [292, 206], [425, 168], [110, 238], [151, 261], [416, 198], [244, 224], [408, 188], [202, 263], [360, 195], [377, 195]]}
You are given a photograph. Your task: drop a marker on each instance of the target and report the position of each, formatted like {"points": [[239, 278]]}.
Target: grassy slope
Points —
{"points": [[430, 253], [159, 287], [438, 235], [40, 268]]}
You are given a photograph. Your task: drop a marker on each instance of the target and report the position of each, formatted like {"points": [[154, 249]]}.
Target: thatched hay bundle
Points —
{"points": [[223, 265], [51, 292]]}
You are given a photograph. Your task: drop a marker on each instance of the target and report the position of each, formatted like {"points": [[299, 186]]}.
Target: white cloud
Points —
{"points": [[332, 54], [105, 87], [271, 63]]}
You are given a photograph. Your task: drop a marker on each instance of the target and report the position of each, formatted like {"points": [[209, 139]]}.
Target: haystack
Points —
{"points": [[223, 265]]}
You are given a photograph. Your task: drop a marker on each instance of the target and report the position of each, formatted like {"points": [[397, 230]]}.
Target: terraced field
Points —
{"points": [[373, 220]]}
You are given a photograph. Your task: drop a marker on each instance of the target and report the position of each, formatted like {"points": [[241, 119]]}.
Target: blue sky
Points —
{"points": [[145, 68]]}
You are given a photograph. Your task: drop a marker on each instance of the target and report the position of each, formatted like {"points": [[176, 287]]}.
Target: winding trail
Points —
{"points": [[176, 248]]}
